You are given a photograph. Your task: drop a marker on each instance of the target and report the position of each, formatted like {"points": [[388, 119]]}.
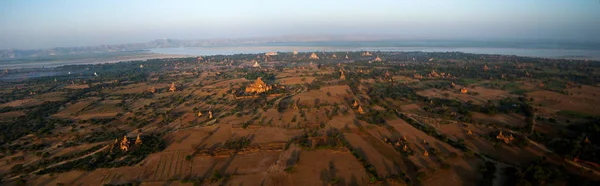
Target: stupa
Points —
{"points": [[138, 140], [463, 90], [355, 103], [360, 110], [367, 53], [314, 56], [152, 90], [377, 59], [124, 144], [210, 115], [256, 65], [172, 88], [333, 56], [342, 76]]}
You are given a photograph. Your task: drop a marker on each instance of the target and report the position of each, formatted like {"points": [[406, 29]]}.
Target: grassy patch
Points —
{"points": [[514, 88], [468, 81]]}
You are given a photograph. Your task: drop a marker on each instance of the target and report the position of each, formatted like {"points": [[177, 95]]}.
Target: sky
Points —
{"points": [[35, 24]]}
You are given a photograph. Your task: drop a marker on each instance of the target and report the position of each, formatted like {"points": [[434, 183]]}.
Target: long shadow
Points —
{"points": [[293, 158], [209, 171], [463, 175], [79, 177], [353, 181]]}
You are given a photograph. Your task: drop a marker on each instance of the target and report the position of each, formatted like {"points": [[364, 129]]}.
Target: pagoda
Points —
{"points": [[377, 59], [355, 103], [258, 86], [405, 148], [199, 113], [210, 115], [124, 144], [506, 139], [485, 68], [426, 153], [342, 76], [367, 53], [587, 140], [200, 59], [347, 56], [138, 140], [172, 88], [313, 56], [463, 90], [256, 65], [333, 56], [360, 110], [152, 90]]}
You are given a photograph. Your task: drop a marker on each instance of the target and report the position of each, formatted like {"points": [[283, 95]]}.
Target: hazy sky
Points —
{"points": [[28, 24]]}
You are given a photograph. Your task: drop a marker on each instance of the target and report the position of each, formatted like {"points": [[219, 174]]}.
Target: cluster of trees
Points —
{"points": [[265, 76]]}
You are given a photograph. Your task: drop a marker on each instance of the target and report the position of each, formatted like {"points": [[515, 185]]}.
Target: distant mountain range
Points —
{"points": [[322, 40]]}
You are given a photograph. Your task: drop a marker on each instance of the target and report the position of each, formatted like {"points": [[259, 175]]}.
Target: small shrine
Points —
{"points": [[172, 88], [124, 144], [256, 65], [342, 76], [138, 140], [313, 56], [360, 110]]}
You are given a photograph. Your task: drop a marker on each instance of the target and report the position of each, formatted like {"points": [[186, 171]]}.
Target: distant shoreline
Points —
{"points": [[577, 54], [178, 52]]}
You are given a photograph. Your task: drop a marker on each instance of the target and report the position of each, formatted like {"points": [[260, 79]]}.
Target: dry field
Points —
{"points": [[506, 153], [296, 80], [103, 109], [319, 166], [10, 116], [513, 120], [27, 102], [383, 166], [582, 100], [77, 86], [72, 109], [484, 94]]}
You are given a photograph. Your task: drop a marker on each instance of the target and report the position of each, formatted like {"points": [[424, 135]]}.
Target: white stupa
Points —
{"points": [[256, 65]]}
